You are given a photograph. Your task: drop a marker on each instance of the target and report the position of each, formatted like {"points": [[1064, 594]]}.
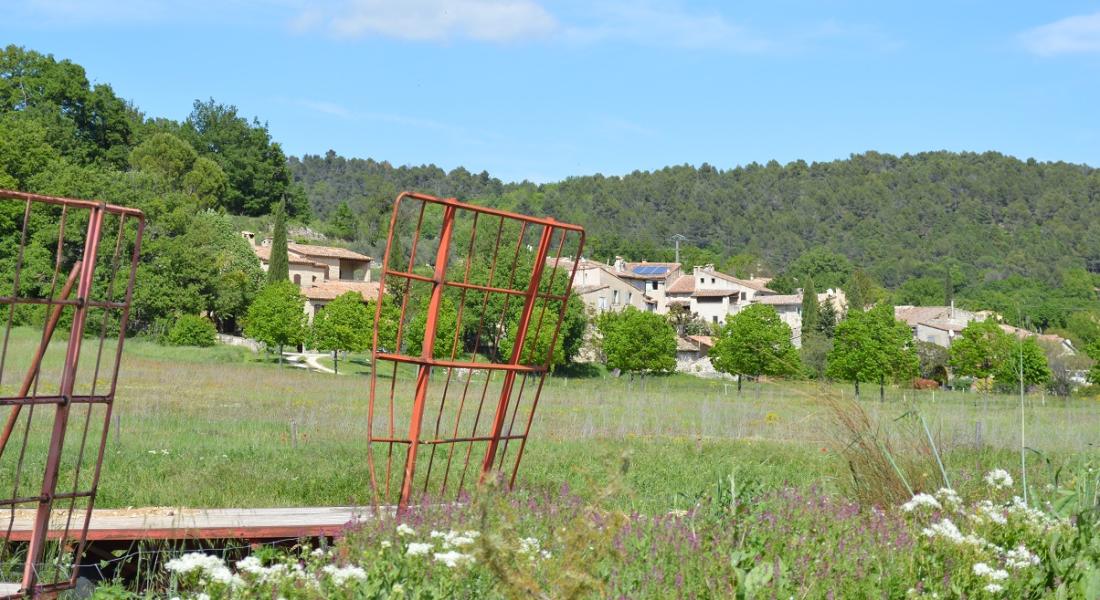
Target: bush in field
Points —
{"points": [[191, 330], [638, 342]]}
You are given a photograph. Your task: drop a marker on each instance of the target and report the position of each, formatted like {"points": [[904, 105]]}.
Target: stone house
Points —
{"points": [[321, 272]]}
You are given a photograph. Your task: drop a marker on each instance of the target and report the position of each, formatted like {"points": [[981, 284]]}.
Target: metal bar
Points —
{"points": [[452, 364], [448, 440], [57, 437], [493, 211], [517, 349], [39, 301], [61, 201], [36, 361], [426, 351], [16, 402]]}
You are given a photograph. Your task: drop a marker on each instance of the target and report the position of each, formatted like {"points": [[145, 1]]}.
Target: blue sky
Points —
{"points": [[541, 90]]}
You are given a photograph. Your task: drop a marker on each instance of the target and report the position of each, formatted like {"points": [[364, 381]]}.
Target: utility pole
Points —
{"points": [[676, 239]]}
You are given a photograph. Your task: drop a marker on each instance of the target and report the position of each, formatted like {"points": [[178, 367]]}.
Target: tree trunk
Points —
{"points": [[739, 378], [335, 363], [881, 388], [857, 389], [280, 354]]}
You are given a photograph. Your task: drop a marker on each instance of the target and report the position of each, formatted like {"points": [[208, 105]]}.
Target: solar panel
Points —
{"points": [[650, 270]]}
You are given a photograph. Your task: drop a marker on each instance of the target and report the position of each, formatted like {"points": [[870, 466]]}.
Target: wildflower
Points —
{"points": [[341, 575], [397, 589], [678, 513], [452, 558], [945, 529], [998, 479], [418, 549], [318, 553], [386, 543], [920, 500], [986, 511], [404, 529], [948, 498], [994, 588], [1020, 558], [983, 570]]}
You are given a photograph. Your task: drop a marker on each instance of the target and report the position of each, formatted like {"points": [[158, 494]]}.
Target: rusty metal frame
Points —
{"points": [[84, 280], [552, 237]]}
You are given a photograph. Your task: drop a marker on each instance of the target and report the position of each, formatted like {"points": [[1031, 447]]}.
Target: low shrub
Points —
{"points": [[191, 330]]}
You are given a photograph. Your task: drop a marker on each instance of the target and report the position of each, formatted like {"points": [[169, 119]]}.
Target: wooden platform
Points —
{"points": [[214, 523]]}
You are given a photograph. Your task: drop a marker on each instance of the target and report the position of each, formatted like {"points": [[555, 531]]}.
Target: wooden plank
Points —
{"points": [[215, 523]]}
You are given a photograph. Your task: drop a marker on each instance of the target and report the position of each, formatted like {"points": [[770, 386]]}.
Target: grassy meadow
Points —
{"points": [[213, 428]]}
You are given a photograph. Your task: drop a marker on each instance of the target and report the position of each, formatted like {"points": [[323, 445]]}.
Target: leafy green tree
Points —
{"points": [[980, 349], [861, 290], [343, 324], [638, 342], [166, 156], [829, 269], [387, 325], [536, 347], [446, 327], [192, 330], [278, 266], [755, 342], [934, 361], [815, 353], [254, 165], [277, 316], [206, 267], [920, 291], [1093, 352], [811, 316], [344, 225], [1030, 355], [206, 182], [872, 346]]}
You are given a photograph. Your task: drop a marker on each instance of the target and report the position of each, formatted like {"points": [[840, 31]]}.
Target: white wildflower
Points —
{"points": [[982, 570], [986, 511], [998, 479], [386, 543], [921, 500], [679, 513], [418, 549], [404, 529], [251, 565], [452, 558], [341, 575], [948, 498], [397, 589], [1020, 558], [945, 529], [994, 588], [318, 553]]}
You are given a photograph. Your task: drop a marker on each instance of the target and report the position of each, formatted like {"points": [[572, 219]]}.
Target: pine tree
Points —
{"points": [[279, 263]]}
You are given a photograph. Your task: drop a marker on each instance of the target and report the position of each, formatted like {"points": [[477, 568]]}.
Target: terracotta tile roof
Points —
{"points": [[955, 325], [326, 252], [329, 290], [685, 284], [915, 315], [705, 340], [581, 290], [264, 254]]}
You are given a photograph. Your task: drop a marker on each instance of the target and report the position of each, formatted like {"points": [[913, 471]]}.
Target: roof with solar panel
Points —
{"points": [[648, 270]]}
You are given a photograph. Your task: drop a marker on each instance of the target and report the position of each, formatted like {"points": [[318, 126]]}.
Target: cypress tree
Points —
{"points": [[279, 263], [810, 316]]}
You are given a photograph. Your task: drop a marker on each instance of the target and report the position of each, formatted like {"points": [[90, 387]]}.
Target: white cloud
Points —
{"points": [[667, 25], [1072, 35], [432, 20]]}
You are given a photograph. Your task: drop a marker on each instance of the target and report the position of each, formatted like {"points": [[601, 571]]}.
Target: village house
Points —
{"points": [[938, 325], [321, 272], [600, 288]]}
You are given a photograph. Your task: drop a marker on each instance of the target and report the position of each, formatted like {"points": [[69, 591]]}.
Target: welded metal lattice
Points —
{"points": [[467, 325], [66, 276]]}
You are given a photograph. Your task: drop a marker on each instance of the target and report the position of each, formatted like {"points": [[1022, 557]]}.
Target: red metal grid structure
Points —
{"points": [[68, 269], [468, 321]]}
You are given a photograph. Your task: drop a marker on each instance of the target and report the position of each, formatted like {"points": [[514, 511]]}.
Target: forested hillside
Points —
{"points": [[998, 232]]}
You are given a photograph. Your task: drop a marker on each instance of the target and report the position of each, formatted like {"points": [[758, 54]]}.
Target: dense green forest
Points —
{"points": [[987, 230], [990, 230]]}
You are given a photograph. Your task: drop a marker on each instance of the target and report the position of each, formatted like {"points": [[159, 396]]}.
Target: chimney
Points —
{"points": [[952, 309], [619, 264]]}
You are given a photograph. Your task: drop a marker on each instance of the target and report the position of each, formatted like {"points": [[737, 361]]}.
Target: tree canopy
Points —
{"points": [[638, 342], [345, 324], [873, 346], [755, 342]]}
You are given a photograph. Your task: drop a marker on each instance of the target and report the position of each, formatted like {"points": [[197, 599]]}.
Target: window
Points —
{"points": [[603, 303], [654, 285], [629, 296], [712, 280], [297, 279], [744, 296], [715, 317], [615, 296], [702, 280], [314, 279]]}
